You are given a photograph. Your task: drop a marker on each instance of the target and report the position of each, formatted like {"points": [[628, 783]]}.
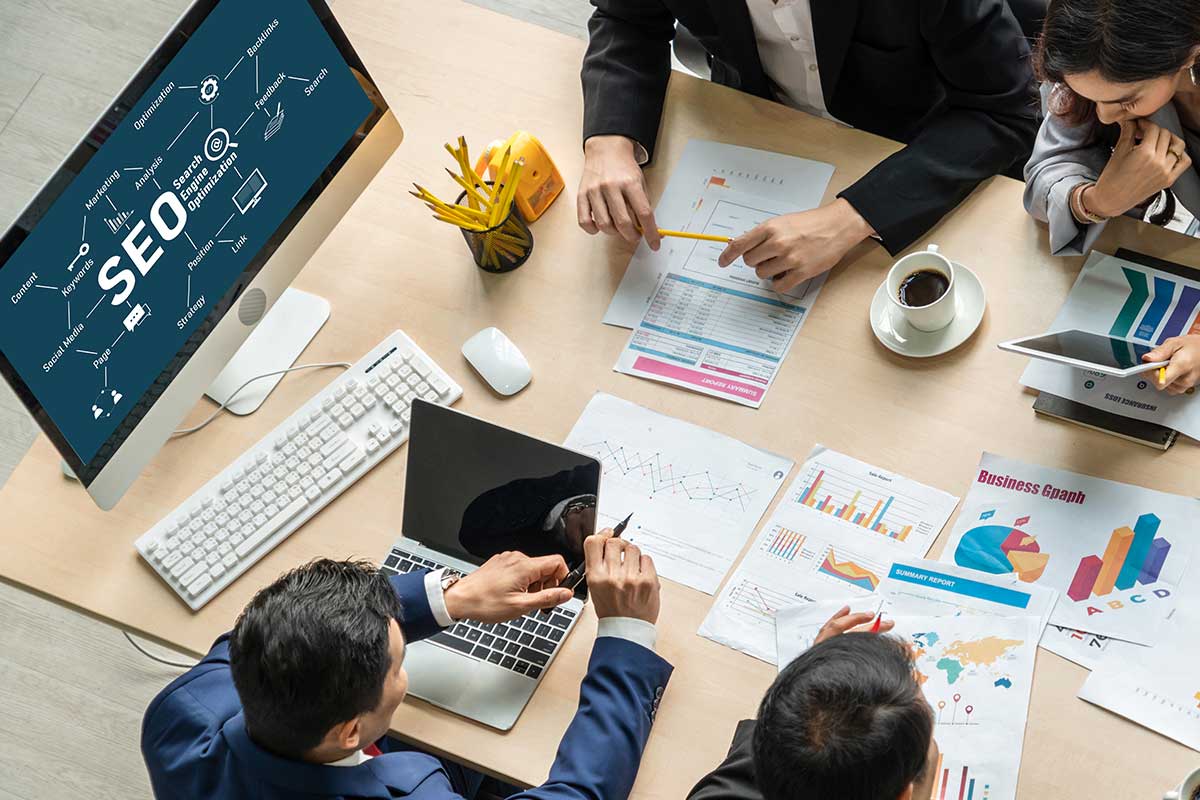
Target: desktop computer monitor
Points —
{"points": [[153, 251]]}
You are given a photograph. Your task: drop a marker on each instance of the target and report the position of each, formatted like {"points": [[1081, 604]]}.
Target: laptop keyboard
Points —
{"points": [[523, 645]]}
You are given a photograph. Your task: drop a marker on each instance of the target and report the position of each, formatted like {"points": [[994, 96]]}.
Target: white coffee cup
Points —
{"points": [[1186, 790], [940, 312]]}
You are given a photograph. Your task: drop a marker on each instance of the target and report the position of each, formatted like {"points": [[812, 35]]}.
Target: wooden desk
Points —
{"points": [[388, 265]]}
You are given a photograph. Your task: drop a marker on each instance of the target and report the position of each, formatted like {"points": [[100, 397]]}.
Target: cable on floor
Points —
{"points": [[152, 657]]}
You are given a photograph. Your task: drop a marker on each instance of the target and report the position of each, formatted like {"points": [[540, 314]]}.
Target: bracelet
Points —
{"points": [[1080, 209]]}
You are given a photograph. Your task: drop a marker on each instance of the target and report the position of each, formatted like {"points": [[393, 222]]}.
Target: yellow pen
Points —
{"points": [[1162, 375]]}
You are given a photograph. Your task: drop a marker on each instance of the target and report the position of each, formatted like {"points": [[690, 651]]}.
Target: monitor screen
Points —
{"points": [[174, 201], [1090, 347], [474, 489]]}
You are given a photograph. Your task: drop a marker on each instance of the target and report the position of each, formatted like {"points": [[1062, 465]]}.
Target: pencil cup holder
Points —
{"points": [[501, 248]]}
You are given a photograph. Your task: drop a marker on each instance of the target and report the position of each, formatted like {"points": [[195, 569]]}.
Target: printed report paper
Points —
{"points": [[833, 537], [724, 189], [696, 495], [1116, 553]]}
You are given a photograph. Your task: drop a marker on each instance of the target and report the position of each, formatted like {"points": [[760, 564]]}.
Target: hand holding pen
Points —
{"points": [[576, 576]]}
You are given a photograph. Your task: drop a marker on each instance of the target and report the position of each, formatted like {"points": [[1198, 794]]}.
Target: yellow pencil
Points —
{"points": [[703, 237], [1162, 375]]}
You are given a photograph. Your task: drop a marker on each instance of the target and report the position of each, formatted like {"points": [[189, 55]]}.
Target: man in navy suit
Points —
{"points": [[297, 700]]}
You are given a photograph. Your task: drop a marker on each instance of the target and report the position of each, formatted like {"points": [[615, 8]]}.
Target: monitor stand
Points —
{"points": [[275, 344]]}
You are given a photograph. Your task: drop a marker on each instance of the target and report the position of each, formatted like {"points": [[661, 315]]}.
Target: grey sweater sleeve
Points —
{"points": [[1064, 156]]}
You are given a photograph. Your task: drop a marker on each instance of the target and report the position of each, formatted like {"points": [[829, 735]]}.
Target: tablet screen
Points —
{"points": [[1090, 347]]}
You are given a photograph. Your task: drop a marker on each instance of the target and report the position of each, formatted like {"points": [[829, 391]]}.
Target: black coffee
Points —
{"points": [[923, 288]]}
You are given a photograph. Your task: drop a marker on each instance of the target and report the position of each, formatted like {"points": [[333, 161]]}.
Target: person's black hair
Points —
{"points": [[846, 719], [1124, 40], [311, 651]]}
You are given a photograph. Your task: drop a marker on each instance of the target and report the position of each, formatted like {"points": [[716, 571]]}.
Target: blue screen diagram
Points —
{"points": [[156, 228]]}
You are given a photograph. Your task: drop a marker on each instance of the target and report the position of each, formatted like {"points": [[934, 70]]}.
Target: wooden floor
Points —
{"points": [[72, 691]]}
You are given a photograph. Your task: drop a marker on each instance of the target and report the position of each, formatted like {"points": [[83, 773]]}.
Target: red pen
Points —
{"points": [[878, 620]]}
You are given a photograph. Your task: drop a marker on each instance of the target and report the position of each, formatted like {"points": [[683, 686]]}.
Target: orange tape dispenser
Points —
{"points": [[540, 182]]}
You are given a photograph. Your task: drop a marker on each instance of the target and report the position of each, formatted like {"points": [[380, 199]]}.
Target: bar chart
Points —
{"points": [[1133, 556], [871, 499], [784, 543], [960, 785]]}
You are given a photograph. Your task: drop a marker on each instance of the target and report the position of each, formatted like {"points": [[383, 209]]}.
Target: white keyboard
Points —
{"points": [[294, 471]]}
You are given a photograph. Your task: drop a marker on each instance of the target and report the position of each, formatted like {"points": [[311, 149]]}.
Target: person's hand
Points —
{"points": [[508, 586], [621, 581], [612, 192], [845, 622], [1146, 160], [1183, 371], [795, 247]]}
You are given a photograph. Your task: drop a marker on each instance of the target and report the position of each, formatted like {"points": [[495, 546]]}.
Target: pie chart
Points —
{"points": [[1001, 549]]}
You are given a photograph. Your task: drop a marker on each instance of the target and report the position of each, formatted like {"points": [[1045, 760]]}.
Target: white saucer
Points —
{"points": [[898, 336]]}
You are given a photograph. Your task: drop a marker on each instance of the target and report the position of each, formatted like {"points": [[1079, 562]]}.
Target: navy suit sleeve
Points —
{"points": [[599, 755], [417, 620], [184, 719]]}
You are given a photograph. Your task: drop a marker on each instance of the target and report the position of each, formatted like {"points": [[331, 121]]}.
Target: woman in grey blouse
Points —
{"points": [[1121, 95]]}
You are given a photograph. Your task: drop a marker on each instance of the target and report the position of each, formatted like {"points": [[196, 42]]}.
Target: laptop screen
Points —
{"points": [[474, 489]]}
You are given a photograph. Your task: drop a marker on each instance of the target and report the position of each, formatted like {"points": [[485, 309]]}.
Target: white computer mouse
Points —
{"points": [[498, 361]]}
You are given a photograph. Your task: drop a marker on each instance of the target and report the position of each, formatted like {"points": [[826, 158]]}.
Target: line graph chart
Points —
{"points": [[696, 495], [660, 476]]}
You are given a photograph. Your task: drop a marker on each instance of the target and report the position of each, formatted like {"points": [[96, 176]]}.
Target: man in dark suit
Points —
{"points": [[949, 78], [298, 699], [845, 720]]}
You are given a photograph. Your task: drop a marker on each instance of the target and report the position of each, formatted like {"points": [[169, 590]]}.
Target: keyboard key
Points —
{"points": [[534, 656], [391, 561], [512, 648], [453, 643], [274, 524], [181, 566], [329, 479], [526, 638], [560, 621], [199, 585], [479, 652], [556, 635], [197, 569], [487, 640], [508, 662], [495, 657], [534, 672], [543, 630], [353, 460], [473, 634], [520, 667]]}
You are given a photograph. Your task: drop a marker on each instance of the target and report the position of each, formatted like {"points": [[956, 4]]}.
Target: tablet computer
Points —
{"points": [[1085, 350]]}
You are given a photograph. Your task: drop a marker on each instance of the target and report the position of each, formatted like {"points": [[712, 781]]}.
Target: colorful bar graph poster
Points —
{"points": [[1117, 553], [834, 536], [1144, 305], [907, 514], [976, 671], [1156, 687]]}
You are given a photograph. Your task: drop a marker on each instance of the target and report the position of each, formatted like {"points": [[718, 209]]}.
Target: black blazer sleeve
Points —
{"points": [[734, 779], [625, 69], [987, 125]]}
